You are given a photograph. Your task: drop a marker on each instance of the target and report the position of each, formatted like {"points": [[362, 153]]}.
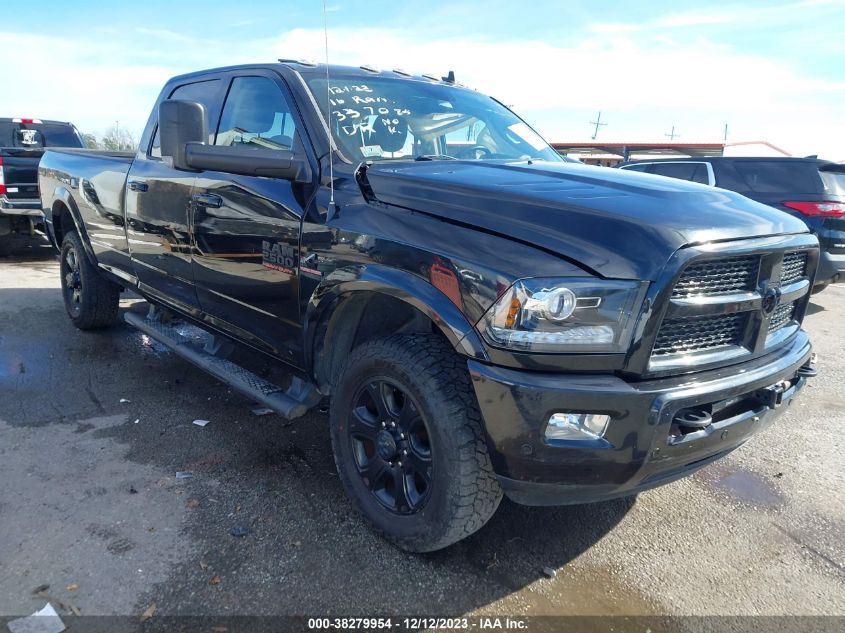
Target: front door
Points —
{"points": [[246, 229], [158, 200]]}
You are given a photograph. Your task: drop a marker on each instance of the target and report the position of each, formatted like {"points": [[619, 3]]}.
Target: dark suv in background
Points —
{"points": [[809, 188]]}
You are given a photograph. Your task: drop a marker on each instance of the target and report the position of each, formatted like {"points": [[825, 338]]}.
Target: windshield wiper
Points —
{"points": [[435, 157]]}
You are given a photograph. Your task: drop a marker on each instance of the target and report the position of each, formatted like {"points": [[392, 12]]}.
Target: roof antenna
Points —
{"points": [[332, 209]]}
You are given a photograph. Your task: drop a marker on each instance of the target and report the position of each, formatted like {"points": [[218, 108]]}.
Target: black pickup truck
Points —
{"points": [[22, 143], [485, 317]]}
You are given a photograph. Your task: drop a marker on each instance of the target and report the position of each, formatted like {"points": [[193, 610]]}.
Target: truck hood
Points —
{"points": [[612, 222]]}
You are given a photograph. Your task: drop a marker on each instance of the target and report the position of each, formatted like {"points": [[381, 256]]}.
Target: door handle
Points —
{"points": [[207, 200], [136, 185]]}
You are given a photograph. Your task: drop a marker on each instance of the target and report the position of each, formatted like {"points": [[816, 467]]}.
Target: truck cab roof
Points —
{"points": [[303, 67]]}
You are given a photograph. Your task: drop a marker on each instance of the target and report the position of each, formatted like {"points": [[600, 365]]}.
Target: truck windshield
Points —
{"points": [[38, 135], [382, 118]]}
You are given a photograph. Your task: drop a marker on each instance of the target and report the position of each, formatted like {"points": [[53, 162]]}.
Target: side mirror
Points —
{"points": [[247, 161], [179, 123]]}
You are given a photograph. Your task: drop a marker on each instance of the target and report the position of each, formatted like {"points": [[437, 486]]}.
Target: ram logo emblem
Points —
{"points": [[278, 256]]}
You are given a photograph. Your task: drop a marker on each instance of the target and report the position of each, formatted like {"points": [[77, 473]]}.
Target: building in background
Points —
{"points": [[611, 154]]}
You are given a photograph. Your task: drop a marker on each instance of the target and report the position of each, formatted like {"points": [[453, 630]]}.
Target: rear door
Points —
{"points": [[774, 182], [771, 181], [809, 189], [247, 229], [158, 199]]}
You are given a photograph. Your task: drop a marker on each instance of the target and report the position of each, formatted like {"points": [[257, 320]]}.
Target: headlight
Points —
{"points": [[565, 315]]}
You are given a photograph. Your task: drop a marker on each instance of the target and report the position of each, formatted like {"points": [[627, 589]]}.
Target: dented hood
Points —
{"points": [[612, 222]]}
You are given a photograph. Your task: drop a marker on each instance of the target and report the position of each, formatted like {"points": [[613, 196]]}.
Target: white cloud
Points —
{"points": [[82, 82], [690, 81], [748, 16], [643, 81], [165, 34], [680, 20]]}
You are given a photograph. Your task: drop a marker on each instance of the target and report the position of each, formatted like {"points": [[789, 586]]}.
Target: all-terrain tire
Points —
{"points": [[463, 493], [91, 300]]}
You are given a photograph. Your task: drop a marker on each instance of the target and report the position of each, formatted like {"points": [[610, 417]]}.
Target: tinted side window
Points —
{"points": [[682, 171], [834, 182], [700, 174], [779, 177], [203, 92], [256, 115], [38, 135], [641, 168], [727, 177]]}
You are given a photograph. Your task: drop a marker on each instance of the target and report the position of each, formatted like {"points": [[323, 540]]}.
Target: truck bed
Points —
{"points": [[94, 181]]}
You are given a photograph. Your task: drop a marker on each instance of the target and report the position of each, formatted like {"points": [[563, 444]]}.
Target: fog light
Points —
{"points": [[577, 426]]}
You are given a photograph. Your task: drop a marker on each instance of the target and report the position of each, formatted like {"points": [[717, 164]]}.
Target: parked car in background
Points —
{"points": [[22, 143], [809, 188]]}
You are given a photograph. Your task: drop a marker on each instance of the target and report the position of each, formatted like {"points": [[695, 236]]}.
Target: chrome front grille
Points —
{"points": [[794, 267], [681, 336], [781, 316], [728, 305], [719, 276]]}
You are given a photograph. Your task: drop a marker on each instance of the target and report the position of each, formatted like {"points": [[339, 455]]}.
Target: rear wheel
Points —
{"points": [[408, 442], [91, 300]]}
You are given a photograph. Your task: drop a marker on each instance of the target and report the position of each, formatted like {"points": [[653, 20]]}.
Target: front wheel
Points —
{"points": [[91, 300], [408, 442]]}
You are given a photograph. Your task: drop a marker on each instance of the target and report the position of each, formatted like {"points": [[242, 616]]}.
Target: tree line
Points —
{"points": [[115, 139]]}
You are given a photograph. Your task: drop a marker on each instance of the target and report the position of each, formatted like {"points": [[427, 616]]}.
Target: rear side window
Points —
{"points": [[38, 135], [256, 116], [204, 92], [834, 182], [694, 172], [778, 177]]}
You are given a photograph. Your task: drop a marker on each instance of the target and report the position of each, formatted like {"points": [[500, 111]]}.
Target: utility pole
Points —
{"points": [[598, 124], [726, 133], [672, 134], [117, 134]]}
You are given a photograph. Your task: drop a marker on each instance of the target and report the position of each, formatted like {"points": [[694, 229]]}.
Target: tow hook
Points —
{"points": [[772, 396], [693, 419], [808, 370]]}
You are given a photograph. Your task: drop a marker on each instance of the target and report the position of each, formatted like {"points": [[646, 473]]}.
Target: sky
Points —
{"points": [[770, 71]]}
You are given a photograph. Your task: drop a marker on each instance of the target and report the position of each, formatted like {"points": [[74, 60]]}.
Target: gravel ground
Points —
{"points": [[90, 503]]}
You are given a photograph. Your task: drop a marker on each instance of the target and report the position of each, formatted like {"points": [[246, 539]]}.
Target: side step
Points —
{"points": [[291, 403]]}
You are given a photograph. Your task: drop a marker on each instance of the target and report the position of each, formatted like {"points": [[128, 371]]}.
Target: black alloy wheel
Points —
{"points": [[92, 301], [391, 446], [72, 277], [408, 441]]}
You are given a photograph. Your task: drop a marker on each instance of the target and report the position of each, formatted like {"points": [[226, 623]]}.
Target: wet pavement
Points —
{"points": [[90, 503]]}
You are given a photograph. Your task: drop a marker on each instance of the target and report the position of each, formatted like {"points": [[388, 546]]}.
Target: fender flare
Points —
{"points": [[402, 285], [63, 196]]}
